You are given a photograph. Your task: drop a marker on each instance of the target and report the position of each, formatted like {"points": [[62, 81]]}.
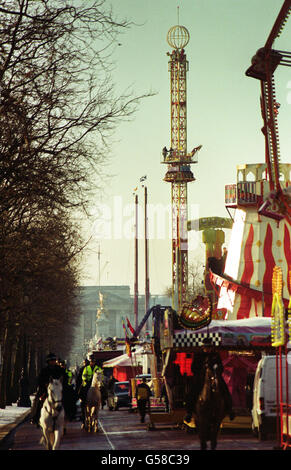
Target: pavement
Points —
{"points": [[10, 418]]}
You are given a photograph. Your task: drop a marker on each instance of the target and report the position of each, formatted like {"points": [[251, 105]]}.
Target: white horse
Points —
{"points": [[93, 402], [52, 415]]}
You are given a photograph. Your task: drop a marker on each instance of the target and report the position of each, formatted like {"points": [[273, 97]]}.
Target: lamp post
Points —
{"points": [[24, 399]]}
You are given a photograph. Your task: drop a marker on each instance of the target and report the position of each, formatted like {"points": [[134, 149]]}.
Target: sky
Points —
{"points": [[223, 115]]}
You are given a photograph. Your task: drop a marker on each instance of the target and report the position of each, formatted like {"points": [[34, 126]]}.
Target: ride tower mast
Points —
{"points": [[179, 172]]}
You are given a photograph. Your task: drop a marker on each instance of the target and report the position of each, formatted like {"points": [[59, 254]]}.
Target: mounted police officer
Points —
{"points": [[79, 375], [87, 376], [69, 373], [70, 396], [52, 370], [198, 369]]}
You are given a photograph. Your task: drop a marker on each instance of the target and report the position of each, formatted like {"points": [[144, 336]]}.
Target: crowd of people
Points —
{"points": [[75, 386]]}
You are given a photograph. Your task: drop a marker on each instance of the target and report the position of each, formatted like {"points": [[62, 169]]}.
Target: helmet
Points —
{"points": [[207, 341], [51, 357]]}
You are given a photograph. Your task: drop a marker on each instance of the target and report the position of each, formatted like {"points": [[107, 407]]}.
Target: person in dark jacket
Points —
{"points": [[52, 370], [69, 393], [112, 380], [143, 393], [165, 395]]}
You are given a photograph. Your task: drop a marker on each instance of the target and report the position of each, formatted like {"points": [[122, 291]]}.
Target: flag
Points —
{"points": [[127, 347], [124, 328], [130, 326]]}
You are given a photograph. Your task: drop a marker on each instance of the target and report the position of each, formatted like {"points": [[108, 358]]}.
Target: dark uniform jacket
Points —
{"points": [[198, 364], [55, 372]]}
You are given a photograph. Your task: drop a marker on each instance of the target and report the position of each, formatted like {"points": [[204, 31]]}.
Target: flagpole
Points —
{"points": [[136, 264], [147, 282]]}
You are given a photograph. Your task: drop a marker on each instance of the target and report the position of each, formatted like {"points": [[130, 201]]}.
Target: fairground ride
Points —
{"points": [[261, 233], [179, 172], [277, 206], [213, 237], [278, 203]]}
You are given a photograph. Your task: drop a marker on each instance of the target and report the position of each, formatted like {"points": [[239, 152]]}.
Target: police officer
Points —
{"points": [[87, 377], [89, 371], [69, 373], [69, 393], [198, 370], [52, 370], [79, 375]]}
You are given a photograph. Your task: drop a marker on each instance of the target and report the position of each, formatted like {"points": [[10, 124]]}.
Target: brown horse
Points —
{"points": [[210, 408]]}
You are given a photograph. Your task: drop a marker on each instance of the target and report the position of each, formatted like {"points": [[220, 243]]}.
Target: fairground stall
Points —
{"points": [[281, 333], [240, 344], [176, 340], [124, 367]]}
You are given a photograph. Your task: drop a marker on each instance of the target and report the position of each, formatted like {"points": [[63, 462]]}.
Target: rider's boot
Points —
{"points": [[231, 415], [188, 417]]}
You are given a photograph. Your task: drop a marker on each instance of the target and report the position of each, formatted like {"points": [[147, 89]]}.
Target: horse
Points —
{"points": [[210, 408], [52, 415], [93, 402]]}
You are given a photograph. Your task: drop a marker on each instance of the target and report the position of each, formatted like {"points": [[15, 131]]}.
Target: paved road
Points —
{"points": [[122, 431]]}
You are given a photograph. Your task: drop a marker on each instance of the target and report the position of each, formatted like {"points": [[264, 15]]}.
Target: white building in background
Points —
{"points": [[103, 309]]}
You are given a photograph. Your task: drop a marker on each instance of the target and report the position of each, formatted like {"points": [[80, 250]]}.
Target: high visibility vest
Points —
{"points": [[87, 374], [70, 376], [143, 392]]}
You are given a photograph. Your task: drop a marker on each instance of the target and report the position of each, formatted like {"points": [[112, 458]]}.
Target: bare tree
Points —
{"points": [[195, 281], [56, 87], [58, 111]]}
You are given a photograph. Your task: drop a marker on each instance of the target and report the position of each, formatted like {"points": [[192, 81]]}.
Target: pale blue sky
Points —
{"points": [[223, 115]]}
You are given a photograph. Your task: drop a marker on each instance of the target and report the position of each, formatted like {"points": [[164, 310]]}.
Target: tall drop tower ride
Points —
{"points": [[179, 172]]}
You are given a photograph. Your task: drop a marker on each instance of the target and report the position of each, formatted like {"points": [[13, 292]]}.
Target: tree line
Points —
{"points": [[58, 110]]}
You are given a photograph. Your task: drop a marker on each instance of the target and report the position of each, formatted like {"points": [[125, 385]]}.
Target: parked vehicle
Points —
{"points": [[119, 396], [264, 410]]}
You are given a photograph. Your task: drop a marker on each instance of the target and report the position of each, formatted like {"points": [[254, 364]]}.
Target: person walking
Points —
{"points": [[165, 395], [143, 394], [110, 392]]}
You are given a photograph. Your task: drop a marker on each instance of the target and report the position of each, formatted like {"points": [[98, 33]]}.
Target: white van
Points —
{"points": [[264, 411]]}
